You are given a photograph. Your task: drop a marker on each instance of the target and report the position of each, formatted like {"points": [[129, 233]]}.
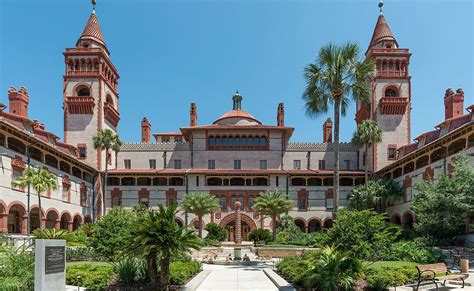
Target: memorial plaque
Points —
{"points": [[54, 259]]}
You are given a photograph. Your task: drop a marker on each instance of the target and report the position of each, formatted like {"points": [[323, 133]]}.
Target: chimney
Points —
{"points": [[281, 115], [327, 131], [453, 103], [193, 117], [18, 101], [146, 129]]}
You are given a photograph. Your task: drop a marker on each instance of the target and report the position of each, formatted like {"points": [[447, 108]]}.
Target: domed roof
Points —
{"points": [[237, 117]]}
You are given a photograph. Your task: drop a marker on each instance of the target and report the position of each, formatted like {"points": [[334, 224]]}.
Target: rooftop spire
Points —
{"points": [[237, 98], [92, 34], [380, 6]]}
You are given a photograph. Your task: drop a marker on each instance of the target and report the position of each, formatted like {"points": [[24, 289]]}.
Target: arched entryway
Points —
{"points": [[76, 222], [66, 221], [314, 225], [179, 221], [52, 219], [35, 218], [395, 219], [17, 219], [408, 220], [301, 224], [228, 223], [327, 223]]}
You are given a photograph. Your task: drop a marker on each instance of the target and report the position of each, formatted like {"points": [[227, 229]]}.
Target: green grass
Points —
{"points": [[98, 264], [380, 265]]}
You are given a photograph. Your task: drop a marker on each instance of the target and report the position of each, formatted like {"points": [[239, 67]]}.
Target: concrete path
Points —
{"points": [[237, 277]]}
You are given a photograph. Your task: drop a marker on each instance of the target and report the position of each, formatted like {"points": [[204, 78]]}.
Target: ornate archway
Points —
{"points": [[228, 222]]}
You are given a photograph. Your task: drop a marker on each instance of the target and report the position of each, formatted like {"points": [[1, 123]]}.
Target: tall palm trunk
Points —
{"points": [[152, 267], [366, 159], [104, 187], [200, 226], [40, 210], [337, 106], [164, 272], [274, 227]]}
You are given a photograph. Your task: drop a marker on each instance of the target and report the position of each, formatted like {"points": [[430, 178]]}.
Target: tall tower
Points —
{"points": [[390, 99], [90, 93]]}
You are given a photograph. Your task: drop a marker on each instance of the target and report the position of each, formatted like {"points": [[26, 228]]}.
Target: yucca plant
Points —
{"points": [[87, 229], [53, 233]]}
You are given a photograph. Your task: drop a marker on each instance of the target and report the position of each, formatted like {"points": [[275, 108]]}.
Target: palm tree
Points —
{"points": [[368, 133], [106, 140], [200, 204], [157, 236], [40, 179], [336, 74], [272, 203]]}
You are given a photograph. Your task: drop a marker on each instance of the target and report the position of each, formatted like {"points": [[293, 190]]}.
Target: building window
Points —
{"points": [[197, 181], [211, 164], [263, 164], [128, 164], [152, 164], [390, 92], [237, 164], [251, 201], [392, 152], [322, 164], [302, 204], [15, 175], [223, 204], [65, 193], [177, 164], [82, 151], [346, 164], [329, 203], [116, 201], [297, 164], [171, 201], [277, 181]]}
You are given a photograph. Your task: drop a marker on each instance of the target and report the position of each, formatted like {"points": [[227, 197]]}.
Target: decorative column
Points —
{"points": [[23, 223], [4, 222], [238, 224], [57, 224]]}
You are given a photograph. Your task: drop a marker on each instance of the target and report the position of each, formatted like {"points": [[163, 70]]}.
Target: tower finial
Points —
{"points": [[381, 6], [93, 6], [237, 100]]}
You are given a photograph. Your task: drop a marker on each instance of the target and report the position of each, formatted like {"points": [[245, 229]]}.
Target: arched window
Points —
{"points": [[260, 182], [244, 140], [51, 161], [314, 182], [224, 140], [160, 181], [128, 181], [250, 140], [391, 92], [109, 100], [113, 181], [211, 140], [263, 140], [298, 182], [76, 172], [214, 182], [36, 154], [237, 140], [143, 181], [16, 145], [456, 146], [237, 182], [257, 140], [63, 166], [218, 140], [397, 173], [423, 161], [176, 182], [87, 177], [83, 91], [346, 182], [231, 140]]}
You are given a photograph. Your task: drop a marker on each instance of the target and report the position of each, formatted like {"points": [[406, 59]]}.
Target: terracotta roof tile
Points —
{"points": [[92, 30], [237, 114], [381, 32]]}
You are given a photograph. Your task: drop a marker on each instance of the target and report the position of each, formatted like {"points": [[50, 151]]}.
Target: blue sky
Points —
{"points": [[171, 53]]}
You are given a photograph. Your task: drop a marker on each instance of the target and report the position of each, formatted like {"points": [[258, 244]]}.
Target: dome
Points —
{"points": [[237, 117]]}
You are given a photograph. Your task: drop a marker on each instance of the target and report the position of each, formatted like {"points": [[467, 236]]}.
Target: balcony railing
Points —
{"points": [[110, 114], [80, 105], [393, 105], [391, 74]]}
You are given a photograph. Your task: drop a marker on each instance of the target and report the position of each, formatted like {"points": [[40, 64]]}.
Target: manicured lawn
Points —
{"points": [[97, 264]]}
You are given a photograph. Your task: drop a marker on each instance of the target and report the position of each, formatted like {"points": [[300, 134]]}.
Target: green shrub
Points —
{"points": [[126, 270], [110, 232], [90, 275], [182, 271], [381, 275], [260, 235], [413, 252], [215, 232], [293, 268], [16, 268], [81, 253], [365, 234], [52, 233]]}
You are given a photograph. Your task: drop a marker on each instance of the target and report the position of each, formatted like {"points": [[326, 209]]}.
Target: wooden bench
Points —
{"points": [[435, 273]]}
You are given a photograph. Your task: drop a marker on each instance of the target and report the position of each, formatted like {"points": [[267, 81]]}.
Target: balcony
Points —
{"points": [[391, 74], [393, 105], [80, 105], [363, 113], [110, 114]]}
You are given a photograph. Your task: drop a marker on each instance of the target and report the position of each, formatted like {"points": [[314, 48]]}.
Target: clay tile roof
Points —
{"points": [[237, 113], [318, 146], [381, 32], [92, 30]]}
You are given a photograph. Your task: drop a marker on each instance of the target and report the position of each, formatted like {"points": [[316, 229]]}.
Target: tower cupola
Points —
{"points": [[237, 99]]}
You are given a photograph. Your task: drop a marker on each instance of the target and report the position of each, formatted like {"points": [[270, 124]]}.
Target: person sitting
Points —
{"points": [[246, 258], [228, 258]]}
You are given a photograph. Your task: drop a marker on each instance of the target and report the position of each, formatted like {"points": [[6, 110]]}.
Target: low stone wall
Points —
{"points": [[207, 251], [276, 252]]}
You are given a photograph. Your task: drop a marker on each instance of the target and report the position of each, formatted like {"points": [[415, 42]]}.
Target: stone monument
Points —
{"points": [[50, 265]]}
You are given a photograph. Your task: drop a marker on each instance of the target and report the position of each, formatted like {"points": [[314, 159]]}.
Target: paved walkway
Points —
{"points": [[237, 277]]}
